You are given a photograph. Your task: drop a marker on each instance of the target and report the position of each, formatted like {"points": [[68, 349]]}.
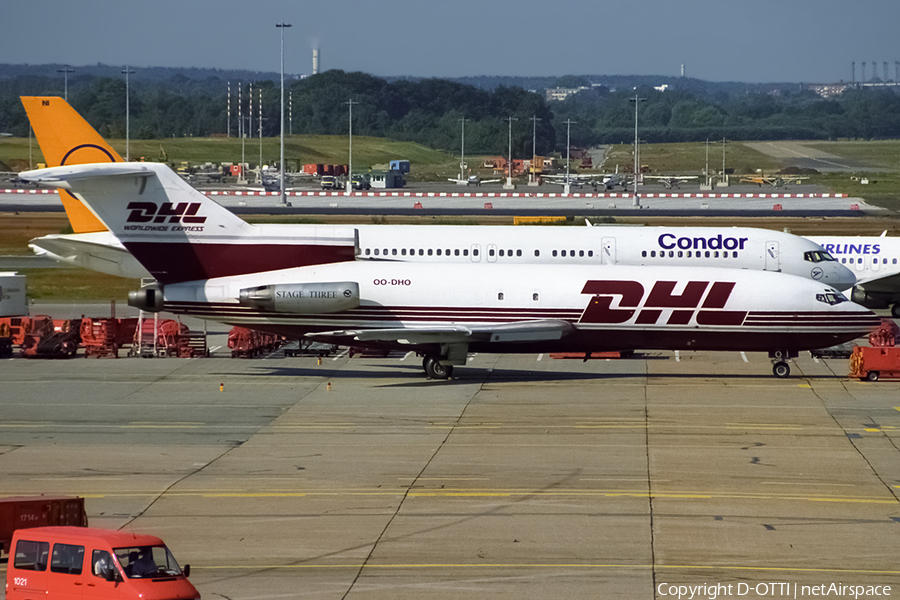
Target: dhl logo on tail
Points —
{"points": [[66, 138]]}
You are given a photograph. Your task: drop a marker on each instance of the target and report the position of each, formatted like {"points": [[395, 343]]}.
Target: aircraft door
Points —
{"points": [[875, 263], [475, 252], [608, 252], [492, 252], [773, 256], [860, 263]]}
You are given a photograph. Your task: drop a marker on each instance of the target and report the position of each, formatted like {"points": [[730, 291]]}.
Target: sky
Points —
{"points": [[754, 41]]}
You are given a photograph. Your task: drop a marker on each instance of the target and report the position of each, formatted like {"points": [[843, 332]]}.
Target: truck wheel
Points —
{"points": [[895, 311], [872, 376]]}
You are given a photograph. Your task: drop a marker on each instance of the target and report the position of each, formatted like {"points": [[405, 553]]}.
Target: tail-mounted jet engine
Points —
{"points": [[303, 298]]}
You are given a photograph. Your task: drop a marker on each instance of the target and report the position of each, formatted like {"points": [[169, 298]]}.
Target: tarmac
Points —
{"points": [[521, 477]]}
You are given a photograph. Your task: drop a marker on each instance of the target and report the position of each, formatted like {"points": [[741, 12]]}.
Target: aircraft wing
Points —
{"points": [[527, 331], [883, 282]]}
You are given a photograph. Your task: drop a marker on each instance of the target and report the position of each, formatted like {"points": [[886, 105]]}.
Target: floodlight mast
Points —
{"points": [[509, 183], [568, 122], [349, 186], [462, 155], [65, 71], [127, 72], [636, 200], [282, 26]]}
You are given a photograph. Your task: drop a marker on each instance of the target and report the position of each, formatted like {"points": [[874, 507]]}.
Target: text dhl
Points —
{"points": [[685, 305]]}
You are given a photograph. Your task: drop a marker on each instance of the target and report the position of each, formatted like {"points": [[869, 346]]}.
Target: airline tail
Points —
{"points": [[66, 138], [179, 234]]}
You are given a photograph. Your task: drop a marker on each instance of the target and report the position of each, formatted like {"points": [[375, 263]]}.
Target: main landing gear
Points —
{"points": [[780, 368], [435, 370]]}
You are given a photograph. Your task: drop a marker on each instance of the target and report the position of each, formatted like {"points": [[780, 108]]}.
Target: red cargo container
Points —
{"points": [[25, 512]]}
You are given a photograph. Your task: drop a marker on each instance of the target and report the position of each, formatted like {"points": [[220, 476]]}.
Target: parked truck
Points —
{"points": [[23, 512]]}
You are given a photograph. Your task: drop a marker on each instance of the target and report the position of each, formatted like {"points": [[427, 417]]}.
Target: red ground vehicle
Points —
{"points": [[80, 562], [24, 512], [873, 364]]}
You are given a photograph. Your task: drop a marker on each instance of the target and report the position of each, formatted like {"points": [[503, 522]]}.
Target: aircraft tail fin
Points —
{"points": [[179, 234], [66, 138]]}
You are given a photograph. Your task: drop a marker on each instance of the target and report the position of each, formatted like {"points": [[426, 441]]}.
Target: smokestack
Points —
{"points": [[315, 61]]}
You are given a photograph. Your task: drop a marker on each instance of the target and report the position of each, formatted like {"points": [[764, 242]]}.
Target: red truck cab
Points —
{"points": [[71, 563]]}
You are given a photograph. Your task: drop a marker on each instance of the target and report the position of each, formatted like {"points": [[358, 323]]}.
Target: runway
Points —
{"points": [[523, 477]]}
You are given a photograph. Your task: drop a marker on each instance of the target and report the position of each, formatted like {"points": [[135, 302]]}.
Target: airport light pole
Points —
{"points": [[534, 120], [65, 71], [282, 27], [568, 153], [127, 72], [349, 186], [462, 155], [636, 200], [509, 184]]}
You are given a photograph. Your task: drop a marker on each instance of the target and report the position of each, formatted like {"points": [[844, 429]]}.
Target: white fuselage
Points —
{"points": [[609, 306], [734, 247]]}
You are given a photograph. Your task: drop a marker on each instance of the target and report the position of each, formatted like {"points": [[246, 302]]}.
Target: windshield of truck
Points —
{"points": [[146, 562]]}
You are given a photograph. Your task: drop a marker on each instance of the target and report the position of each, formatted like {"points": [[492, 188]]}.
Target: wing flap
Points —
{"points": [[528, 331]]}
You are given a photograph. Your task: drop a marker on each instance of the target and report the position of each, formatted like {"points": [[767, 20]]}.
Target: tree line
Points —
{"points": [[431, 111]]}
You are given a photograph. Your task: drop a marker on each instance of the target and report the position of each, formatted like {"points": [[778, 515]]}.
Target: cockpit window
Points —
{"points": [[816, 256], [831, 298]]}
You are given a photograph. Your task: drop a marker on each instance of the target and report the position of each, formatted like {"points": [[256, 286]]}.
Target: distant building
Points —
{"points": [[828, 90], [560, 94]]}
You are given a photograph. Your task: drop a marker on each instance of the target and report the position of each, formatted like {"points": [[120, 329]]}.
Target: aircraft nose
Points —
{"points": [[838, 276]]}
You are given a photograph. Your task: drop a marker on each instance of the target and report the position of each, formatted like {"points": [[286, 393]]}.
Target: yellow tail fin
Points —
{"points": [[66, 138]]}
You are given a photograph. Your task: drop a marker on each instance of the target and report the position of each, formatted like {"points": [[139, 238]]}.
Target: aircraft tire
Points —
{"points": [[872, 376], [435, 370], [781, 369]]}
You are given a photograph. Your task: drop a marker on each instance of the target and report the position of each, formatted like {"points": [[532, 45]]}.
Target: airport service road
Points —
{"points": [[524, 477], [438, 199]]}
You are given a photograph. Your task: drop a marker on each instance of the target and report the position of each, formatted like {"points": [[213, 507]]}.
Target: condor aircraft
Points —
{"points": [[211, 264], [66, 138], [876, 263]]}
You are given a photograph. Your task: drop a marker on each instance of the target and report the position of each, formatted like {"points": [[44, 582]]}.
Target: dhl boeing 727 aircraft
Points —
{"points": [[211, 264]]}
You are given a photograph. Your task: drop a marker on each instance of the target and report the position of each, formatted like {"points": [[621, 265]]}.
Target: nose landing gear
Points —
{"points": [[780, 368]]}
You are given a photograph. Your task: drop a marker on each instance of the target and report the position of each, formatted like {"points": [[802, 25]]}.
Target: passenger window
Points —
{"points": [[31, 556], [518, 253], [422, 252], [438, 251], [537, 252], [707, 254], [465, 251], [394, 251], [500, 296], [456, 252], [581, 253], [653, 254], [688, 253], [716, 254], [590, 252], [376, 251], [474, 251], [500, 252], [490, 252], [368, 252], [554, 254], [672, 254], [534, 296], [67, 558], [430, 252], [563, 253], [680, 254], [403, 252], [644, 253]]}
